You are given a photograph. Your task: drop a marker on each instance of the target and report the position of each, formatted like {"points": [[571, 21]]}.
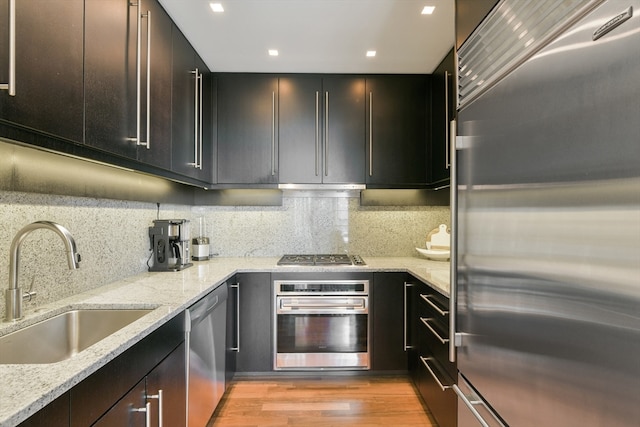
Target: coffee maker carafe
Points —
{"points": [[170, 245]]}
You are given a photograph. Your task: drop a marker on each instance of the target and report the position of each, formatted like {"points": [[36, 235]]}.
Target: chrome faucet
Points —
{"points": [[13, 294]]}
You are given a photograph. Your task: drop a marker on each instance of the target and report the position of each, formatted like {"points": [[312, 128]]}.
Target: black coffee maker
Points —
{"points": [[170, 245]]}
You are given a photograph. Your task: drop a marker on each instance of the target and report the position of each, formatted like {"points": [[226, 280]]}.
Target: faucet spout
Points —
{"points": [[14, 295]]}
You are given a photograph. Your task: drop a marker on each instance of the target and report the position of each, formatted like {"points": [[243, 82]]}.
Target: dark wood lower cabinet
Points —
{"points": [[429, 366], [255, 352], [55, 414], [388, 319]]}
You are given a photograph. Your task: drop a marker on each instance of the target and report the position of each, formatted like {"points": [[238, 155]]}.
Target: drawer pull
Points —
{"points": [[425, 321], [432, 304], [425, 362]]}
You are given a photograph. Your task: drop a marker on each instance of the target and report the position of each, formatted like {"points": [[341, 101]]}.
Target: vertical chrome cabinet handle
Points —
{"points": [[273, 133], [148, 142], [138, 138], [10, 86], [447, 161], [370, 133], [407, 346], [453, 338], [317, 133], [200, 102], [237, 287], [326, 133], [196, 117], [160, 405], [147, 411]]}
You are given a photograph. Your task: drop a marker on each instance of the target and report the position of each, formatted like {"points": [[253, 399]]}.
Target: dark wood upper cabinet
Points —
{"points": [[397, 129], [321, 129], [191, 135], [110, 76], [117, 114], [48, 67], [247, 123], [156, 116], [443, 110]]}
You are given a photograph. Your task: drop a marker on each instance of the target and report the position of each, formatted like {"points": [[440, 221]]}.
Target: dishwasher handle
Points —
{"points": [[200, 310]]}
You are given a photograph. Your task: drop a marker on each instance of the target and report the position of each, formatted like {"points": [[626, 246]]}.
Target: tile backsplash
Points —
{"points": [[112, 236]]}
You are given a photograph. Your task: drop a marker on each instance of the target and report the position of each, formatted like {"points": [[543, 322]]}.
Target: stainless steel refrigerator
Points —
{"points": [[547, 192]]}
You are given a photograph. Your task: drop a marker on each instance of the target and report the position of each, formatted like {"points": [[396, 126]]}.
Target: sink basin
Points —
{"points": [[61, 337]]}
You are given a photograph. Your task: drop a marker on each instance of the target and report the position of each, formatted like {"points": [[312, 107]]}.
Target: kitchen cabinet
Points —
{"points": [[48, 67], [157, 361], [432, 372], [165, 380], [156, 114], [55, 414], [254, 349], [233, 336], [397, 130], [115, 108], [168, 379], [443, 110], [247, 124], [389, 317], [321, 129], [129, 411], [191, 133]]}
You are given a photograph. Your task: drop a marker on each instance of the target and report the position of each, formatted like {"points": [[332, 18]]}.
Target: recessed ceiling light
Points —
{"points": [[216, 7], [273, 52], [428, 10], [371, 53]]}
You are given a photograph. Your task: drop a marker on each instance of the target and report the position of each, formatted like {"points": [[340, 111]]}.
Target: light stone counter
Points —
{"points": [[26, 389]]}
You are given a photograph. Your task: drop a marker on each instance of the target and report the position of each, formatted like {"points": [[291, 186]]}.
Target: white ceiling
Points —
{"points": [[317, 36]]}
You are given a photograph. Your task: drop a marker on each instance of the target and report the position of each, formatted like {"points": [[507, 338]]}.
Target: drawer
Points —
{"points": [[435, 387]]}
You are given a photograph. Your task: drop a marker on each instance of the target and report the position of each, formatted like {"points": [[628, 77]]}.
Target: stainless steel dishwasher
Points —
{"points": [[205, 354]]}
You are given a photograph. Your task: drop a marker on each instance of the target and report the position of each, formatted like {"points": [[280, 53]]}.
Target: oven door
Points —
{"points": [[322, 332]]}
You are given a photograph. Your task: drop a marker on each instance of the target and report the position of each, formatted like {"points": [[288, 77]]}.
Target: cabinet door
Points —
{"points": [[344, 129], [443, 108], [156, 117], [169, 378], [191, 106], [321, 129], [110, 76], [255, 348], [48, 75], [397, 126], [55, 414], [389, 329], [130, 411], [301, 129], [247, 129], [232, 330]]}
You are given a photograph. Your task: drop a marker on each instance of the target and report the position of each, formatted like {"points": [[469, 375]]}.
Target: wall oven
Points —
{"points": [[321, 324]]}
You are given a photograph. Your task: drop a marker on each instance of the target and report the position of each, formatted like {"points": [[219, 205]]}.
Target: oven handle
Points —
{"points": [[333, 304]]}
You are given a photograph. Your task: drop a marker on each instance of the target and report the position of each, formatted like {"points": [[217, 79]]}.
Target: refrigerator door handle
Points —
{"points": [[453, 265]]}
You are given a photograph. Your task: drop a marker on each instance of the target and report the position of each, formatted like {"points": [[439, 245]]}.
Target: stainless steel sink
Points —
{"points": [[61, 337]]}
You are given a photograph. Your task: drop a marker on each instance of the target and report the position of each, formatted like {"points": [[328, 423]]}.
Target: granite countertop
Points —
{"points": [[28, 388]]}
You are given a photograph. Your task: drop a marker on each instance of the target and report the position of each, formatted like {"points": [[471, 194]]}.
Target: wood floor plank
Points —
{"points": [[322, 401]]}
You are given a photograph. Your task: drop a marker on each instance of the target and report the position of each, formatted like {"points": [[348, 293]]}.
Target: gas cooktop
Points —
{"points": [[322, 259]]}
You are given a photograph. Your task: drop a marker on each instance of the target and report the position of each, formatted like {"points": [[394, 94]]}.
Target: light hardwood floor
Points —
{"points": [[322, 401]]}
